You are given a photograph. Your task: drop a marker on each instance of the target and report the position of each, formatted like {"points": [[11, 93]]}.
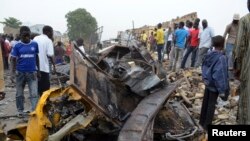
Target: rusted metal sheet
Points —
{"points": [[111, 82], [135, 129]]}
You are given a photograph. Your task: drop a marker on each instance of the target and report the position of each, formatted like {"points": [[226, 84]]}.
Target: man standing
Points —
{"points": [[192, 48], [25, 60], [2, 94], [159, 41], [242, 56], [169, 41], [205, 42], [59, 53], [180, 38], [172, 50], [46, 51], [215, 77], [231, 31], [151, 42], [144, 38]]}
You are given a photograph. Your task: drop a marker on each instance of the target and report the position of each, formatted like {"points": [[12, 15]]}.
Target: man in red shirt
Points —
{"points": [[68, 52], [193, 46]]}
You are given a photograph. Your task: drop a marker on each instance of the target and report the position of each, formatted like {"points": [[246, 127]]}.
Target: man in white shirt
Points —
{"points": [[46, 52], [205, 42], [79, 43]]}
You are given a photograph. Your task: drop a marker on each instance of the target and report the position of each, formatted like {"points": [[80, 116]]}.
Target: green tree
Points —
{"points": [[80, 23], [12, 22]]}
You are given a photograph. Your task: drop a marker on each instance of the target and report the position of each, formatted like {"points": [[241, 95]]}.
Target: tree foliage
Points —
{"points": [[12, 22], [80, 23]]}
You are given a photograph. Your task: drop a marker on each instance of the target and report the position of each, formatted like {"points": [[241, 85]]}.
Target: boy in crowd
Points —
{"points": [[215, 77], [25, 60]]}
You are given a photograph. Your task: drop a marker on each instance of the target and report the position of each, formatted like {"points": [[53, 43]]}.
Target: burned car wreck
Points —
{"points": [[120, 95]]}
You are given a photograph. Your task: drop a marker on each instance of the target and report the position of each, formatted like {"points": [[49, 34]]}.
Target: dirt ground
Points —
{"points": [[224, 114], [8, 111]]}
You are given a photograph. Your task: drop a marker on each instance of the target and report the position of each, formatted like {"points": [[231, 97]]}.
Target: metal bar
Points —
{"points": [[93, 63]]}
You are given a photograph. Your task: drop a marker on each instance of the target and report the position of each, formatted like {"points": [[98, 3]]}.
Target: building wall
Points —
{"points": [[148, 29], [191, 17], [10, 30]]}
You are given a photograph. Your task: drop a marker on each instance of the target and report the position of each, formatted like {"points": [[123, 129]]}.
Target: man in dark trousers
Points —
{"points": [[193, 46], [159, 41], [46, 52], [215, 77]]}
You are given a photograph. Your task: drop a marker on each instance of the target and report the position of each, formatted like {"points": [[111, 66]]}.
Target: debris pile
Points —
{"points": [[122, 94], [191, 92]]}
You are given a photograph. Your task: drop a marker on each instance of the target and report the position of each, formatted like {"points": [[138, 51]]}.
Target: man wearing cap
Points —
{"points": [[231, 34]]}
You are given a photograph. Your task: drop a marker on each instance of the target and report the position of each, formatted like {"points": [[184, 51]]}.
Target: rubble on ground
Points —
{"points": [[164, 111], [191, 92]]}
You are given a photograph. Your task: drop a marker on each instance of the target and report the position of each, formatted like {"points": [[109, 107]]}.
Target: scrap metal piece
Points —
{"points": [[175, 121], [109, 83], [135, 129], [140, 80], [39, 120], [79, 122]]}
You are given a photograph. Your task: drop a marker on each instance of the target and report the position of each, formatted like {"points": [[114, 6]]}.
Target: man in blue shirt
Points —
{"points": [[25, 60], [180, 38]]}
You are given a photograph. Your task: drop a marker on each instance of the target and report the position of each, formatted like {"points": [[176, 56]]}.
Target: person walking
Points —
{"points": [[26, 61], [46, 53]]}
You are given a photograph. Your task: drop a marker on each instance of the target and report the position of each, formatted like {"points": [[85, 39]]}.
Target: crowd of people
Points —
{"points": [[221, 58], [31, 58]]}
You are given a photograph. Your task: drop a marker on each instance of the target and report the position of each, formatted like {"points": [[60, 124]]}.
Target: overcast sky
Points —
{"points": [[117, 15]]}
